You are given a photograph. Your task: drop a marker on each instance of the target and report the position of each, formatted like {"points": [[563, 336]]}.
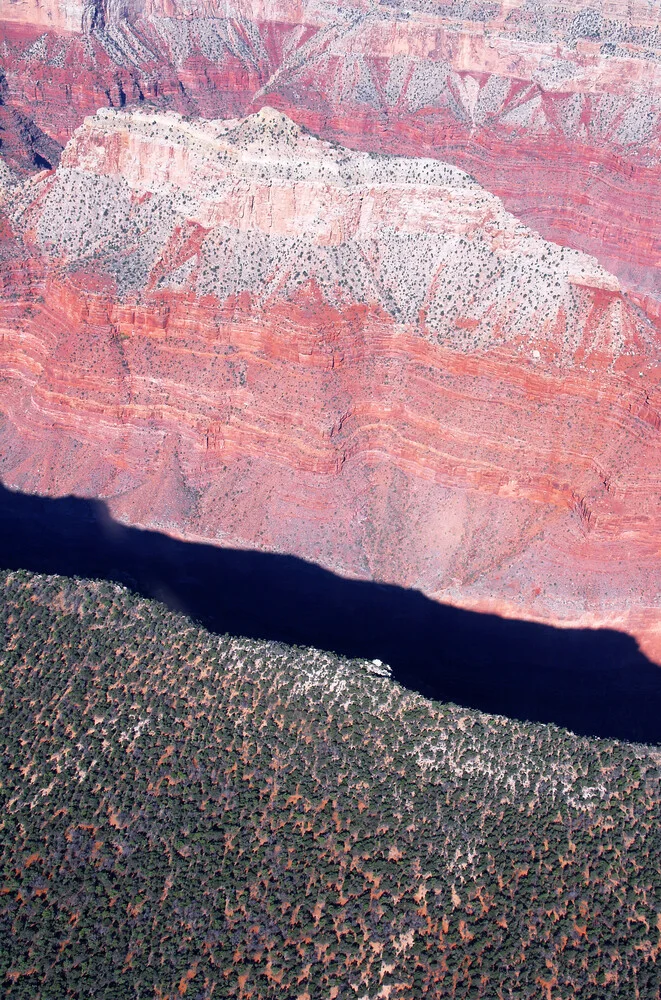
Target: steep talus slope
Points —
{"points": [[555, 107], [237, 331]]}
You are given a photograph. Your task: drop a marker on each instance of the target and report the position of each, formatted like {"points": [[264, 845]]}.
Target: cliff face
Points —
{"points": [[234, 330], [49, 14], [554, 107]]}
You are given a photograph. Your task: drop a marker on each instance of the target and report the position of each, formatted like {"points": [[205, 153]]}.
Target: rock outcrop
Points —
{"points": [[234, 330], [554, 107]]}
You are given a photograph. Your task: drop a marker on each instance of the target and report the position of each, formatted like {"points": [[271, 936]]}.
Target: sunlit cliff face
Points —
{"points": [[554, 107], [234, 330]]}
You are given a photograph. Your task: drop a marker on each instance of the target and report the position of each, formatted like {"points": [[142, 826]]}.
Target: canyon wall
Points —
{"points": [[554, 107], [52, 15], [234, 330]]}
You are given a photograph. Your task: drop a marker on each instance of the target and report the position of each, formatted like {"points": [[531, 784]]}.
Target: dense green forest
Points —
{"points": [[190, 814]]}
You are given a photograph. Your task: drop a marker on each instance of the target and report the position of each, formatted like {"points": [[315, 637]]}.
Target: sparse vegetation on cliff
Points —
{"points": [[186, 813], [158, 203]]}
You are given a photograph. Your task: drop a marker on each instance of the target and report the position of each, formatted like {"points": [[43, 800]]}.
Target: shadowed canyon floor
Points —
{"points": [[594, 682]]}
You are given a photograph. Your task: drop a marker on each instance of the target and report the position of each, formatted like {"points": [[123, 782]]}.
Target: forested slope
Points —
{"points": [[186, 813]]}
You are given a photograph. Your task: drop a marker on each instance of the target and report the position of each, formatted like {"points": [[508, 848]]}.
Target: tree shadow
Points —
{"points": [[593, 681]]}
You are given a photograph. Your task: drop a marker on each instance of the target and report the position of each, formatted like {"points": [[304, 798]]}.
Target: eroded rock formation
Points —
{"points": [[234, 330], [554, 107]]}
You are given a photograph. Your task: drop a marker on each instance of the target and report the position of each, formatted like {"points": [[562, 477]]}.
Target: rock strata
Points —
{"points": [[553, 106], [234, 330]]}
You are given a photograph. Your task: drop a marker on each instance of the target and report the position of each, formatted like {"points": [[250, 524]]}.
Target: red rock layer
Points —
{"points": [[554, 108], [342, 436]]}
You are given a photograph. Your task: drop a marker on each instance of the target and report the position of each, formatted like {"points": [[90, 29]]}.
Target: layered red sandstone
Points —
{"points": [[555, 107], [233, 331]]}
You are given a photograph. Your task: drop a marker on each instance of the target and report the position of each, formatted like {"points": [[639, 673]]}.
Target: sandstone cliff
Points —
{"points": [[553, 106], [232, 329]]}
